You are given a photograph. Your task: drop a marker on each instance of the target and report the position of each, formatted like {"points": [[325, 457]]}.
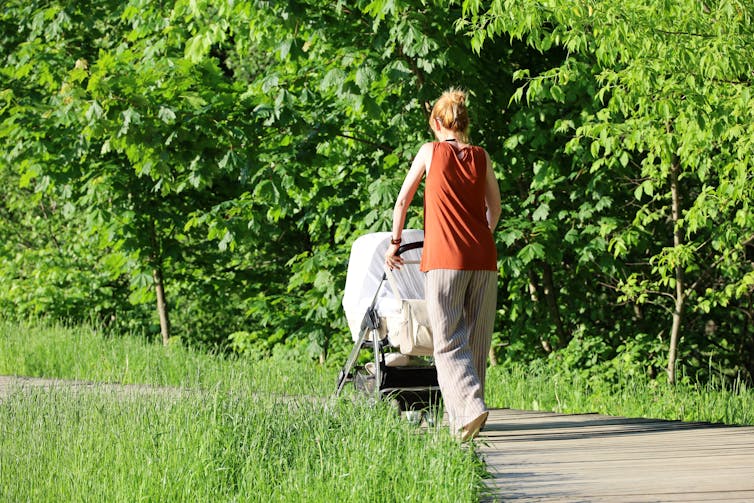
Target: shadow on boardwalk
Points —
{"points": [[584, 426]]}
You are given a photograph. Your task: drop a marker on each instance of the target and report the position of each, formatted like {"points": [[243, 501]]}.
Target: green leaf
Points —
{"points": [[531, 252], [541, 213], [166, 115], [595, 149]]}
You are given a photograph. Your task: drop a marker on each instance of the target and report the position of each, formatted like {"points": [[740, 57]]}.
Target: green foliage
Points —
{"points": [[238, 149], [646, 101]]}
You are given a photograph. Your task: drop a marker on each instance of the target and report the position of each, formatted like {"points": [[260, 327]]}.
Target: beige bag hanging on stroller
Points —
{"points": [[414, 335]]}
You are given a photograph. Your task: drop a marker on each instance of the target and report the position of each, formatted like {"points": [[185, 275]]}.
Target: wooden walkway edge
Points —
{"points": [[547, 457]]}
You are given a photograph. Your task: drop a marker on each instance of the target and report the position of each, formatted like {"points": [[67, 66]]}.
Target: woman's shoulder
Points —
{"points": [[424, 155], [427, 148]]}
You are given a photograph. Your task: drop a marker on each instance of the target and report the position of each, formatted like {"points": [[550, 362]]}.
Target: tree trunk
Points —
{"points": [[679, 286], [162, 306], [533, 287], [534, 295], [551, 298], [747, 341]]}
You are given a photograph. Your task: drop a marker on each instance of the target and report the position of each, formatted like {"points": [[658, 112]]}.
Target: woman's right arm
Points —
{"points": [[409, 187], [406, 194]]}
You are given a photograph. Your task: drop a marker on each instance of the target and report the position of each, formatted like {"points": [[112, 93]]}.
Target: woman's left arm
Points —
{"points": [[491, 195]]}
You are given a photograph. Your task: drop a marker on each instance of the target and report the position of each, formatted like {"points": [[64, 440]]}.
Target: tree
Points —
{"points": [[217, 160], [673, 79]]}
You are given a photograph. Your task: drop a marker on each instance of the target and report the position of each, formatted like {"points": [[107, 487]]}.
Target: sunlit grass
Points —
{"points": [[69, 445], [84, 353], [207, 429], [211, 428], [537, 387]]}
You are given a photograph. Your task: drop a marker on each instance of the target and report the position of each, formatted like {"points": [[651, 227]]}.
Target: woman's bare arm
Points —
{"points": [[491, 195]]}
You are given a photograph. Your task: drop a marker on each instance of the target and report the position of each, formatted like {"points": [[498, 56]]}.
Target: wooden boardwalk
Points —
{"points": [[546, 457]]}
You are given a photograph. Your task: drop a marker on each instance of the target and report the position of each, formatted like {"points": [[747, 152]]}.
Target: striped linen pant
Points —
{"points": [[461, 308]]}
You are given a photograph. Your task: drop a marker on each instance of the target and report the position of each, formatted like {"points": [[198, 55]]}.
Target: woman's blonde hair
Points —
{"points": [[450, 109]]}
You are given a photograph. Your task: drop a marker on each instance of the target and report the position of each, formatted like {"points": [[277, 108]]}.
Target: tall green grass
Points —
{"points": [[84, 353], [214, 430], [65, 445], [539, 387], [233, 429]]}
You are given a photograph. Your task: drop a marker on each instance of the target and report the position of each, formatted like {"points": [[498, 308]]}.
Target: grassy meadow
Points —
{"points": [[201, 427], [212, 429], [538, 387]]}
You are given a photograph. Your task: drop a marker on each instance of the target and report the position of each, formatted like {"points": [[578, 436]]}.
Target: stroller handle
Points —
{"points": [[409, 246]]}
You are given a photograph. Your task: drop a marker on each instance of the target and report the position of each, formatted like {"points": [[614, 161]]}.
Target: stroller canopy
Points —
{"points": [[366, 269]]}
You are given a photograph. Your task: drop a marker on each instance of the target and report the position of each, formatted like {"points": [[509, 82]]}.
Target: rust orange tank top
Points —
{"points": [[456, 235]]}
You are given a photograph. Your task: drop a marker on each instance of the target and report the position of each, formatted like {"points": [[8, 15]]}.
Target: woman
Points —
{"points": [[461, 210]]}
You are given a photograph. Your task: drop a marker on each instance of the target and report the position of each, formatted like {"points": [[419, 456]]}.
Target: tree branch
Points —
{"points": [[381, 146], [49, 224], [685, 33]]}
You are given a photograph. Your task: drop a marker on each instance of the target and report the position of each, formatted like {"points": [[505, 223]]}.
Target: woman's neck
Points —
{"points": [[444, 134], [451, 138], [447, 135]]}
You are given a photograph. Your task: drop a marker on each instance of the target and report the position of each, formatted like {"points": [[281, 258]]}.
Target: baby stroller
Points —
{"points": [[372, 301]]}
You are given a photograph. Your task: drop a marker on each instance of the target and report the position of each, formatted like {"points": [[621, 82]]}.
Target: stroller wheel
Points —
{"points": [[414, 417]]}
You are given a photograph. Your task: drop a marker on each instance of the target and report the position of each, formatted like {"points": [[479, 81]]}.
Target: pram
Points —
{"points": [[373, 311]]}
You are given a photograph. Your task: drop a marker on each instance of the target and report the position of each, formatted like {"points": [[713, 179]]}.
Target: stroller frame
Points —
{"points": [[409, 387]]}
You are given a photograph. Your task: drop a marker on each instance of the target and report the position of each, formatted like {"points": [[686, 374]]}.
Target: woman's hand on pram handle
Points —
{"points": [[392, 260]]}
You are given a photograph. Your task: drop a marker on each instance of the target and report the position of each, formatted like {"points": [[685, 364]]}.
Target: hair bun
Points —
{"points": [[450, 109], [457, 96]]}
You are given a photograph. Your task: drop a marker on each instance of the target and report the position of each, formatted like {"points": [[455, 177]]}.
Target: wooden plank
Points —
{"points": [[541, 456]]}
